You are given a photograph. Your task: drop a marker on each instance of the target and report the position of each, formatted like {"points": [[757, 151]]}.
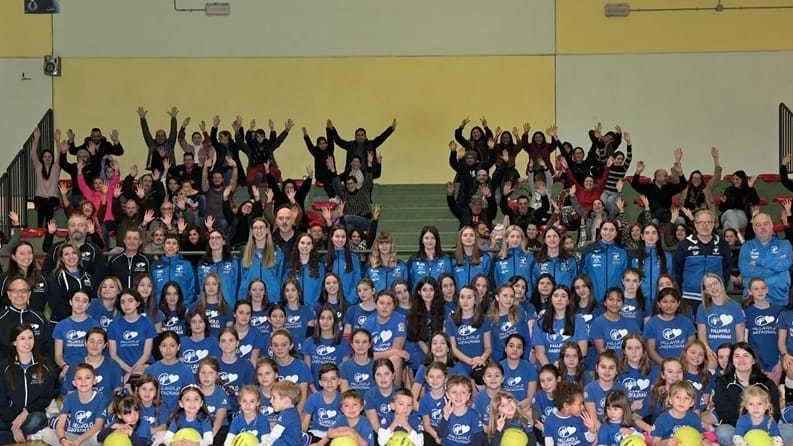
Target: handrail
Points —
{"points": [[785, 133], [17, 184]]}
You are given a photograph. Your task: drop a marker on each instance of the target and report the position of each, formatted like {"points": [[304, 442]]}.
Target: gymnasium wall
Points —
{"points": [[23, 42], [672, 79]]}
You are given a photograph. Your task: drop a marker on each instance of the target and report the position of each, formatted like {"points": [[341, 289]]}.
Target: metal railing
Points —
{"points": [[18, 184], [785, 133]]}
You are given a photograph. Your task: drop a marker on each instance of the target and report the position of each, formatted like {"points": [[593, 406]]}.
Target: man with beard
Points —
{"points": [[90, 254]]}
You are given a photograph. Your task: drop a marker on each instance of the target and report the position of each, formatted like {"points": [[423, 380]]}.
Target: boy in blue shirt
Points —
{"points": [[286, 431], [352, 424], [83, 413], [322, 408]]}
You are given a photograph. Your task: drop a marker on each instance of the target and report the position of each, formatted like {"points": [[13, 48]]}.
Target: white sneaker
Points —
{"points": [[53, 410], [38, 436]]}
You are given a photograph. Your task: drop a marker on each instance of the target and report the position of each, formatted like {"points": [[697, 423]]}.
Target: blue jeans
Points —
{"points": [[35, 422], [725, 433]]}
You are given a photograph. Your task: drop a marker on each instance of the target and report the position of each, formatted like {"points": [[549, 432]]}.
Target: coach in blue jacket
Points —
{"points": [[768, 258], [698, 254], [174, 267]]}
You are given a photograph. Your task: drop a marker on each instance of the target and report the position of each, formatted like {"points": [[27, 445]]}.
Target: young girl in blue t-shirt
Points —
{"points": [[377, 401], [356, 371], [215, 395], [251, 342], [572, 366], [719, 319], [638, 373], [289, 367], [758, 414], [105, 308], [505, 413], [131, 335], [493, 378], [761, 323], [248, 419], [506, 318], [325, 346], [172, 373], [196, 343], [234, 372], [357, 315], [266, 376], [432, 401], [260, 304], [154, 418], [192, 413], [542, 404], [298, 315], [440, 351], [618, 423], [171, 310], [332, 294], [558, 324], [460, 424], [608, 329], [388, 333], [520, 376], [469, 331], [669, 329], [634, 307], [214, 304], [69, 333], [606, 367], [696, 372], [682, 399]]}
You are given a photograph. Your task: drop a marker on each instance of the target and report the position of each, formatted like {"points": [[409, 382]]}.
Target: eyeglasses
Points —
{"points": [[19, 291], [704, 222]]}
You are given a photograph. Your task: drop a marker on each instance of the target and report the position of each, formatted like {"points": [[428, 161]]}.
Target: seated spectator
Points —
{"points": [[476, 211], [737, 200]]}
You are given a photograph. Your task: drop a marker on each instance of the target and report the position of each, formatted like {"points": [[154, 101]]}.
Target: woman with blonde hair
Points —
{"points": [[719, 319], [261, 258], [513, 259], [384, 267], [469, 260]]}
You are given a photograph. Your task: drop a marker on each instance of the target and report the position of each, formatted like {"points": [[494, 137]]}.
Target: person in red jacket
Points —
{"points": [[591, 189]]}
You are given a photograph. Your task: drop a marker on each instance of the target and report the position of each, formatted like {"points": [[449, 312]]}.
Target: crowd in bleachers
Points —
{"points": [[563, 322]]}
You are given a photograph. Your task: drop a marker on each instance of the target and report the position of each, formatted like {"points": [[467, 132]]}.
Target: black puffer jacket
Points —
{"points": [[727, 396]]}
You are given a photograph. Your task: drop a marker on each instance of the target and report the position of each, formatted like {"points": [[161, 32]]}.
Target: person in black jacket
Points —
{"points": [[478, 139], [67, 277], [742, 371], [18, 312], [162, 145], [90, 254], [27, 386], [475, 212], [260, 149], [131, 261], [659, 193], [97, 147], [321, 152], [737, 201], [361, 146]]}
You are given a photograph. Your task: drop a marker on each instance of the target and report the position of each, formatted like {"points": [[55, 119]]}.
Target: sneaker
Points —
{"points": [[38, 436]]}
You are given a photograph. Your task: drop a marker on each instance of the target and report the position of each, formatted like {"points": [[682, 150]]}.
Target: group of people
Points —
{"points": [[317, 330]]}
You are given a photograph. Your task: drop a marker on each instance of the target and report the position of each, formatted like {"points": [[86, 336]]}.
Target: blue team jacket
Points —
{"points": [[385, 276], [174, 268], [465, 273], [651, 270], [421, 268], [604, 263], [517, 263], [229, 273], [270, 275]]}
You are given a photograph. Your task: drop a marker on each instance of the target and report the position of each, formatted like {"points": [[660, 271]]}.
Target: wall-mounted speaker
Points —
{"points": [[41, 6], [52, 65]]}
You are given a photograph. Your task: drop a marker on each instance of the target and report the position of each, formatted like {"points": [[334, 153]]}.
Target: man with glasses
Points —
{"points": [[18, 313], [767, 257], [700, 253], [91, 256]]}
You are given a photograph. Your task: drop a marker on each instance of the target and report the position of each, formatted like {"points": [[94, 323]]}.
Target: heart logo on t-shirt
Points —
{"points": [[326, 414], [617, 335], [386, 335], [671, 333], [98, 379], [245, 349], [565, 432], [461, 429], [290, 378], [726, 319], [696, 385], [643, 383]]}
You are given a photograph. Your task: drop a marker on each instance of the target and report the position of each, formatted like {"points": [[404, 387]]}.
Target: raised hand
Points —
{"points": [[678, 155], [552, 130], [14, 218], [491, 143], [167, 219], [155, 174], [394, 124], [215, 121], [627, 137], [271, 124], [618, 129], [327, 215], [186, 122], [142, 112], [639, 167], [620, 204], [507, 188], [117, 190], [173, 112], [289, 124], [751, 180], [140, 192], [52, 226], [180, 202], [202, 126], [329, 124], [786, 160], [181, 225], [90, 227], [526, 127], [645, 201], [290, 195], [236, 124], [452, 146], [57, 136], [63, 189], [610, 161], [310, 171], [269, 194], [305, 132], [209, 222], [377, 210], [369, 158], [63, 147], [483, 120], [255, 192], [114, 136], [465, 122], [230, 161], [148, 216], [166, 165], [91, 148], [227, 192]]}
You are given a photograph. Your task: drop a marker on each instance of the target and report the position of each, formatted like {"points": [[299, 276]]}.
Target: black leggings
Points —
{"points": [[45, 209]]}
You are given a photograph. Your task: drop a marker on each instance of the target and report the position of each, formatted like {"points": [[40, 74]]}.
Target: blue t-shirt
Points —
{"points": [[297, 323], [631, 311], [595, 393], [432, 408], [767, 424], [323, 414], [501, 331], [612, 332], [543, 403], [381, 404], [356, 316], [82, 416], [639, 387], [236, 375], [610, 434], [266, 408], [720, 322], [216, 400], [292, 435], [482, 405], [260, 321], [463, 428], [130, 337], [565, 431], [172, 378], [98, 312], [358, 377], [785, 322], [761, 328], [666, 425], [217, 320], [259, 426], [516, 381], [72, 334], [201, 424], [251, 341], [295, 372], [701, 389], [552, 342], [109, 377], [421, 374], [151, 416], [325, 353], [172, 321], [193, 352], [469, 339], [384, 334], [363, 427], [670, 336]]}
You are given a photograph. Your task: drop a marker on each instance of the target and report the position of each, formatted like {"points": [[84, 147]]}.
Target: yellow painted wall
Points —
{"points": [[23, 35], [428, 95], [582, 28]]}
